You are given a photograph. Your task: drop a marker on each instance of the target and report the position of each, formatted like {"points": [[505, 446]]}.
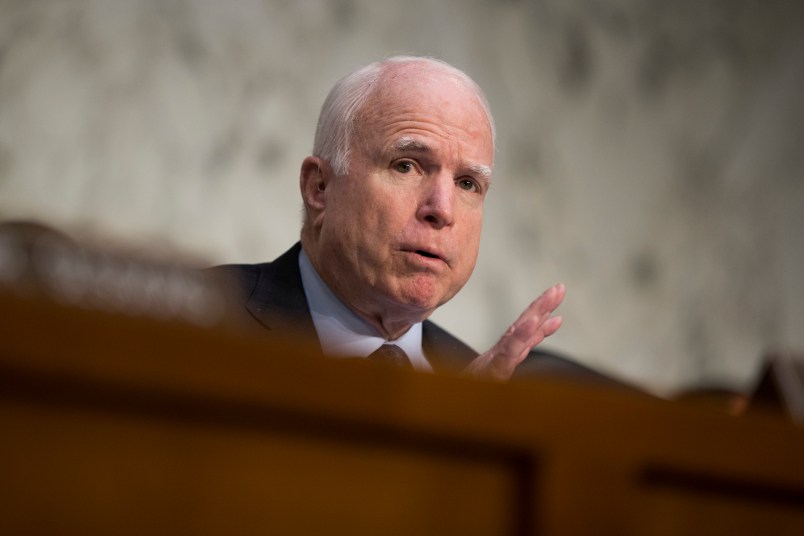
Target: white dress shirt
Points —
{"points": [[344, 334]]}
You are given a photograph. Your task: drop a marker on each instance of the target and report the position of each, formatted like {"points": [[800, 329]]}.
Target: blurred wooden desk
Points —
{"points": [[125, 425]]}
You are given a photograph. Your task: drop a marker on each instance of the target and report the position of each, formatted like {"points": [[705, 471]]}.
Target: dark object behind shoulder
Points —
{"points": [[546, 364]]}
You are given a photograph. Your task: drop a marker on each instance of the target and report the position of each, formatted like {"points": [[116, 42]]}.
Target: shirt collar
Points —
{"points": [[342, 332]]}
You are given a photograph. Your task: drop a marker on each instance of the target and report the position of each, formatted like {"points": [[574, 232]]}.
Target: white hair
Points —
{"points": [[336, 122]]}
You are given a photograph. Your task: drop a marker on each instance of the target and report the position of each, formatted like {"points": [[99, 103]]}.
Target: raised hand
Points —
{"points": [[532, 327]]}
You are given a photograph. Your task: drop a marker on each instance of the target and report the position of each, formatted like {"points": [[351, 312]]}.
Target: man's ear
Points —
{"points": [[314, 179]]}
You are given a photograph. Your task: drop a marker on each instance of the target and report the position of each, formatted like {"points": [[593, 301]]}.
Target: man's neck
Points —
{"points": [[388, 325], [341, 331]]}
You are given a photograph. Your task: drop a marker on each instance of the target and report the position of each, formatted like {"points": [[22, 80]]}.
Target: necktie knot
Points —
{"points": [[391, 354]]}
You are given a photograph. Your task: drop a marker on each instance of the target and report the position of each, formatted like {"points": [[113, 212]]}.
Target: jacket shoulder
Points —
{"points": [[444, 350], [237, 279]]}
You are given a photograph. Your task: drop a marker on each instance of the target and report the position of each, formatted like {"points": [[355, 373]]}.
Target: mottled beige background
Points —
{"points": [[649, 155]]}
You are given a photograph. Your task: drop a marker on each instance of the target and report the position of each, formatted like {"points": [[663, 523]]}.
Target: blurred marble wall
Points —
{"points": [[649, 152]]}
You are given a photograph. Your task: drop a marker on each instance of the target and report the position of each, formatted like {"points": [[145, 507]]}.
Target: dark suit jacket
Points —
{"points": [[273, 297]]}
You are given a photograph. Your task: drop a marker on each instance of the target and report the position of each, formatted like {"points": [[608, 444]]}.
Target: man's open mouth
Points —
{"points": [[427, 254]]}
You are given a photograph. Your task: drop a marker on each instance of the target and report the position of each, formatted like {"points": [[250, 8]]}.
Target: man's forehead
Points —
{"points": [[434, 93], [446, 113]]}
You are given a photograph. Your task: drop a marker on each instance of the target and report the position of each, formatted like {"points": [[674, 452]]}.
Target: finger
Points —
{"points": [[547, 328], [531, 328], [516, 341], [551, 325], [542, 306], [528, 334], [528, 326]]}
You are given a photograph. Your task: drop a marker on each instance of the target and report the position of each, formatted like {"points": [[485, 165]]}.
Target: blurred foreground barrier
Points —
{"points": [[117, 421]]}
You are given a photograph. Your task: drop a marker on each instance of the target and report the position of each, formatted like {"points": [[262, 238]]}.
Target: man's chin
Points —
{"points": [[421, 302]]}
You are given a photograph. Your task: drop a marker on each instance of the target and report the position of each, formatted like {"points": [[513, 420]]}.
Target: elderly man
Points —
{"points": [[393, 198]]}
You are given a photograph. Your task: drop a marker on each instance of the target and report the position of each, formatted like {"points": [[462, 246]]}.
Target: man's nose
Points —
{"points": [[437, 205]]}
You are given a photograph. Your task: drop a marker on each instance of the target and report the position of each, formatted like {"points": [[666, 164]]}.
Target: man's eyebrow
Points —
{"points": [[409, 144], [482, 171]]}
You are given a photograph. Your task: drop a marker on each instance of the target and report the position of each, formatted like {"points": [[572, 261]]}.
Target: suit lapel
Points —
{"points": [[278, 301], [443, 351]]}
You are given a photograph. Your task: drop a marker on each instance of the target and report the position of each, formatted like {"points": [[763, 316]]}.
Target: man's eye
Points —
{"points": [[404, 166], [468, 184]]}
